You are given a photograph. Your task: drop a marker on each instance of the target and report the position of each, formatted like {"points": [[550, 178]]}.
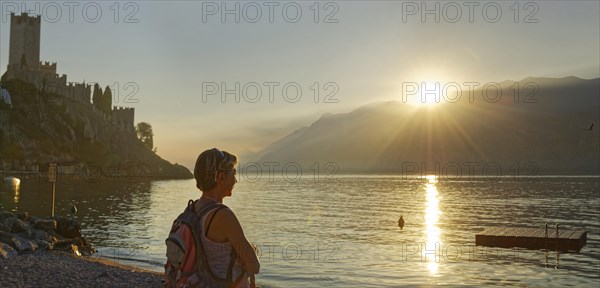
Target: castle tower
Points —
{"points": [[24, 41]]}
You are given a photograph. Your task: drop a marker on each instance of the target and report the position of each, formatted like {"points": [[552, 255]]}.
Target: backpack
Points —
{"points": [[187, 264]]}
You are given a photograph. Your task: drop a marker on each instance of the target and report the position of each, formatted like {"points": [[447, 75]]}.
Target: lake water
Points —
{"points": [[342, 231]]}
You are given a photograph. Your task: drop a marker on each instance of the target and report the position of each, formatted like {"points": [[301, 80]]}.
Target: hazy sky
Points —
{"points": [[178, 52]]}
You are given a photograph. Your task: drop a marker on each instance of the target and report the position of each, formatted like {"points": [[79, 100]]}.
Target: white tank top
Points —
{"points": [[219, 257]]}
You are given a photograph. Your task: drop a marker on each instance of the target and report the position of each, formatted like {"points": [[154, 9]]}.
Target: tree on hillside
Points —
{"points": [[106, 101], [97, 96], [144, 133]]}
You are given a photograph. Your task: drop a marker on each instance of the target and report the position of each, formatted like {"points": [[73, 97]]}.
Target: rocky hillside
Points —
{"points": [[43, 127]]}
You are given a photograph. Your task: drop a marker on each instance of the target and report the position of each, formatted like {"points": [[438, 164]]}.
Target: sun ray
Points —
{"points": [[454, 125], [389, 141]]}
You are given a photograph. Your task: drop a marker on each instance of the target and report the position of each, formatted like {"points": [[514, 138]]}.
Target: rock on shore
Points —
{"points": [[44, 252], [21, 233]]}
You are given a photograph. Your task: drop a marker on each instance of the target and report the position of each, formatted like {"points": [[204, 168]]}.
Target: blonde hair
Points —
{"points": [[209, 164]]}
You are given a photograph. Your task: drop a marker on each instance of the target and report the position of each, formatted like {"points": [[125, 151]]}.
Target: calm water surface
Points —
{"points": [[342, 231]]}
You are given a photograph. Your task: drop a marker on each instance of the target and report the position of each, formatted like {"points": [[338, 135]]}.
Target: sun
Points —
{"points": [[423, 94], [430, 93]]}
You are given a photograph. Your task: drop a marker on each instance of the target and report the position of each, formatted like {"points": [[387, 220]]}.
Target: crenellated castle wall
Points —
{"points": [[47, 70], [79, 92]]}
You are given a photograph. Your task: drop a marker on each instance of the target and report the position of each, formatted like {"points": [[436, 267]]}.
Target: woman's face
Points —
{"points": [[229, 181]]}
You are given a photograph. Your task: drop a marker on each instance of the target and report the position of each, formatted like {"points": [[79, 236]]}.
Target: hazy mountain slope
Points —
{"points": [[546, 127]]}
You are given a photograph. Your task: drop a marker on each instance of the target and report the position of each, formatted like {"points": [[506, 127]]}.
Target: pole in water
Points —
{"points": [[52, 171], [546, 243], [53, 192], [557, 252], [401, 222]]}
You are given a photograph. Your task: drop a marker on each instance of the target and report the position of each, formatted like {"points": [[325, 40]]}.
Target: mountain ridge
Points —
{"points": [[382, 137]]}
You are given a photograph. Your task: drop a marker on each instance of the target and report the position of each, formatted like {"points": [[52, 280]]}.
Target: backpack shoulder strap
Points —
{"points": [[191, 211], [207, 208], [211, 219]]}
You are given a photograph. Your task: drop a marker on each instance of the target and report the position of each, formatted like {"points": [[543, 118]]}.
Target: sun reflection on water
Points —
{"points": [[432, 231]]}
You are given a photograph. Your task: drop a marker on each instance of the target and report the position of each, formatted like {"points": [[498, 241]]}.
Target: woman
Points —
{"points": [[215, 175]]}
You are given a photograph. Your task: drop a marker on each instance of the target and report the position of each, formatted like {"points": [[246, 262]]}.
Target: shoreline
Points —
{"points": [[117, 264], [60, 269]]}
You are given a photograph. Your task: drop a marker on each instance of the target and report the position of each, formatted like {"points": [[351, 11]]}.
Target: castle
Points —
{"points": [[24, 64]]}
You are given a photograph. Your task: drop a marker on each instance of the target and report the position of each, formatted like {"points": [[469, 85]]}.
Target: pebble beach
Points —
{"points": [[60, 269]]}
